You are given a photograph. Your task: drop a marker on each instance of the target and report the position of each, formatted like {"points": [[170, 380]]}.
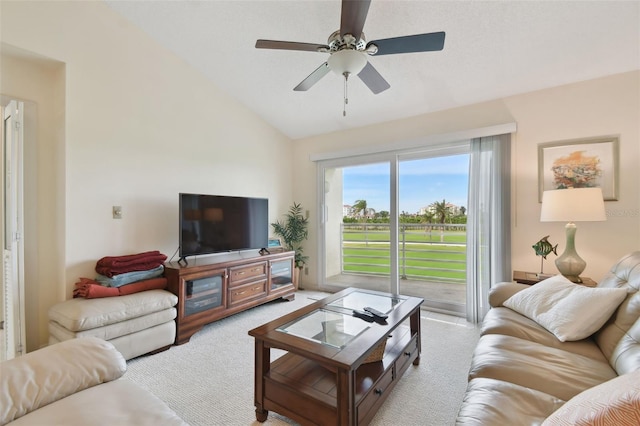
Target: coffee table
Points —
{"points": [[327, 375]]}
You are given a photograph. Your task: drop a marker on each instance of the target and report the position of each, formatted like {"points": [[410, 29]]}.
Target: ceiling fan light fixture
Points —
{"points": [[347, 61]]}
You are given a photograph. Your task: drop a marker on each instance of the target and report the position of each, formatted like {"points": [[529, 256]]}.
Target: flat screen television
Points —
{"points": [[218, 223]]}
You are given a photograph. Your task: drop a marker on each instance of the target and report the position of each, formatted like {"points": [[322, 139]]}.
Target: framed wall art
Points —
{"points": [[580, 163], [275, 245]]}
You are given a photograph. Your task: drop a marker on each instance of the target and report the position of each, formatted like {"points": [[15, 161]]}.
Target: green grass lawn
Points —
{"points": [[419, 261], [409, 236]]}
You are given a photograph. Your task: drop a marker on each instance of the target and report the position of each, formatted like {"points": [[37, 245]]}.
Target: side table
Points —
{"points": [[532, 278]]}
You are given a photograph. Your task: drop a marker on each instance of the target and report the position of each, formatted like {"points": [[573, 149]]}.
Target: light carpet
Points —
{"points": [[209, 380]]}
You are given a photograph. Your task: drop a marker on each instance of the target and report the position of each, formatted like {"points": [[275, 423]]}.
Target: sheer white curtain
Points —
{"points": [[488, 221]]}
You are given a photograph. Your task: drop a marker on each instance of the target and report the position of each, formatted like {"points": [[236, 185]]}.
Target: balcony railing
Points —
{"points": [[430, 252]]}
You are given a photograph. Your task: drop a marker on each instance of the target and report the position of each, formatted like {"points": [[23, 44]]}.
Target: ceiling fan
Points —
{"points": [[348, 49]]}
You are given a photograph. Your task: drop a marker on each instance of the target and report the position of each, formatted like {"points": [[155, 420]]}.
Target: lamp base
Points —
{"points": [[573, 278], [569, 264]]}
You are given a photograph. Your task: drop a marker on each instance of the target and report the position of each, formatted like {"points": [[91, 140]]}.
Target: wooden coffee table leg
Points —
{"points": [[262, 367], [415, 329], [261, 415]]}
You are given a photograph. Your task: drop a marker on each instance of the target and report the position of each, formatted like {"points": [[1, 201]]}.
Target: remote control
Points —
{"points": [[367, 316], [376, 313]]}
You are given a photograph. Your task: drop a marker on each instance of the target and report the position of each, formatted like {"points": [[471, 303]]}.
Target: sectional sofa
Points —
{"points": [[77, 382]]}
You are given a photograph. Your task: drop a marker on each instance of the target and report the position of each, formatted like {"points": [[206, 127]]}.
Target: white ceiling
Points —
{"points": [[492, 49]]}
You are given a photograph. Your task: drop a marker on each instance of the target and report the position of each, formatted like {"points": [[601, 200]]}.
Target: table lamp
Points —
{"points": [[572, 205]]}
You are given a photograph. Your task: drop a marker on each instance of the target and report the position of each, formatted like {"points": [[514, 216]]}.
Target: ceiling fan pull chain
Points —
{"points": [[346, 98]]}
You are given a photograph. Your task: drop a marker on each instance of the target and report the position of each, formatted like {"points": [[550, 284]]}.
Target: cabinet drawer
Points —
{"points": [[241, 274], [409, 353], [240, 294], [375, 396]]}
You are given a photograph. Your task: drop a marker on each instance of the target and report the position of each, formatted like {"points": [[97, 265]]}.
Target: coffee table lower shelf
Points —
{"points": [[307, 392]]}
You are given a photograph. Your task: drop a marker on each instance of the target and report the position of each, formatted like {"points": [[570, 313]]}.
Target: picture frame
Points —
{"points": [[580, 163], [275, 245], [274, 242]]}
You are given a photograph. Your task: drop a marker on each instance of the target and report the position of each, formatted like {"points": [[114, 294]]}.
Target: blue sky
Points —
{"points": [[422, 182]]}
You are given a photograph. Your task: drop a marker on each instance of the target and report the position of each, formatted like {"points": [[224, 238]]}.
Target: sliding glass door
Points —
{"points": [[432, 229], [356, 226], [395, 222]]}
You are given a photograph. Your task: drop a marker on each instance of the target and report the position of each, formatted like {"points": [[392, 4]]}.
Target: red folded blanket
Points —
{"points": [[119, 260], [91, 289], [150, 284], [114, 265]]}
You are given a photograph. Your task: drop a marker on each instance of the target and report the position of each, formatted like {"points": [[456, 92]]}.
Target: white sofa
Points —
{"points": [[76, 382], [136, 324]]}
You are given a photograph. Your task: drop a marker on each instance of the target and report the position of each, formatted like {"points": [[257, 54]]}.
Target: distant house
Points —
{"points": [[431, 208], [347, 211]]}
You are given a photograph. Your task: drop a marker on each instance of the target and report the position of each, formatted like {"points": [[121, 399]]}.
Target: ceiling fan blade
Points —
{"points": [[291, 45], [409, 44], [372, 78], [354, 13], [313, 78]]}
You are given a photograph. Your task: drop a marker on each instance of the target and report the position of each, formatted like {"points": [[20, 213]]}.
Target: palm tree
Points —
{"points": [[429, 216], [441, 210], [359, 207]]}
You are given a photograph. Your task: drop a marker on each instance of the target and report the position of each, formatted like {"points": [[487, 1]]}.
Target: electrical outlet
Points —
{"points": [[117, 212], [306, 270], [306, 214]]}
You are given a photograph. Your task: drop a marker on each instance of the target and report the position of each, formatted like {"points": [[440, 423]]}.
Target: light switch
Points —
{"points": [[117, 212]]}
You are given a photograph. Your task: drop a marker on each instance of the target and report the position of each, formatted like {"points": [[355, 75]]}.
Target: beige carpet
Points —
{"points": [[209, 381]]}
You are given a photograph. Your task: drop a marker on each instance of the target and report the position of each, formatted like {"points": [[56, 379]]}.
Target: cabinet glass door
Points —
{"points": [[281, 273], [202, 294]]}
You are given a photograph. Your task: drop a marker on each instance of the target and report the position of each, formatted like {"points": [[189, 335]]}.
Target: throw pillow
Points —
{"points": [[568, 310], [612, 403]]}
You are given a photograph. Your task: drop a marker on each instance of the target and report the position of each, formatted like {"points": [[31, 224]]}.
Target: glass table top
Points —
{"points": [[327, 327], [334, 324], [359, 300]]}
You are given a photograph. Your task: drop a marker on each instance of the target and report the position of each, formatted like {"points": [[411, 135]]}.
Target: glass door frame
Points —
{"points": [[393, 159]]}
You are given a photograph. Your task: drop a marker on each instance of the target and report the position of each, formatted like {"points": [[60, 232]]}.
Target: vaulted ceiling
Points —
{"points": [[493, 49]]}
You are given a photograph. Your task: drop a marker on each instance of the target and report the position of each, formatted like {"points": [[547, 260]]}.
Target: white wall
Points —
{"points": [[33, 80], [138, 126], [606, 106]]}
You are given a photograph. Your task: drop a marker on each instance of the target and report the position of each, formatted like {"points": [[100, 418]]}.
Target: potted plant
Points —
{"points": [[293, 231]]}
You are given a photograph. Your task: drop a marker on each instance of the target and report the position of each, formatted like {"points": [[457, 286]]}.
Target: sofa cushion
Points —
{"points": [[619, 339], [504, 321], [613, 403], [26, 382], [625, 355], [111, 331], [570, 311], [120, 402], [84, 314], [504, 290], [625, 273], [494, 402], [549, 370], [141, 342]]}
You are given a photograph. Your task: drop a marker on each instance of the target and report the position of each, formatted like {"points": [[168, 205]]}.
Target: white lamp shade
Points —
{"points": [[573, 205], [347, 60]]}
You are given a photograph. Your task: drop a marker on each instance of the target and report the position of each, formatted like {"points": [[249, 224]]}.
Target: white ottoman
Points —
{"points": [[136, 324]]}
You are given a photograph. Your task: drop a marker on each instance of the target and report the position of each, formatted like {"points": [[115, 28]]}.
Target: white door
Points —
{"points": [[12, 317]]}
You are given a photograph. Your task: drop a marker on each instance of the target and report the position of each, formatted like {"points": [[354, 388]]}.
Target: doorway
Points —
{"points": [[12, 306], [380, 229]]}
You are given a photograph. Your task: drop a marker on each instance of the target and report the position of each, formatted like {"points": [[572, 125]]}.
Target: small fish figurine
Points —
{"points": [[544, 247]]}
